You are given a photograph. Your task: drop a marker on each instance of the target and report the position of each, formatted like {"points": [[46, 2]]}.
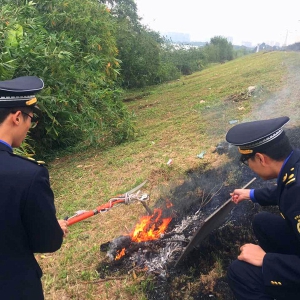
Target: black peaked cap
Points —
{"points": [[20, 91], [256, 133]]}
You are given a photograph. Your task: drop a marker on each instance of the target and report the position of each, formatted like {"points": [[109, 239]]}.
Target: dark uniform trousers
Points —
{"points": [[246, 280]]}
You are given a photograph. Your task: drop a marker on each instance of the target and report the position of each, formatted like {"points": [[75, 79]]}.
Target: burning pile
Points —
{"points": [[149, 228], [152, 245]]}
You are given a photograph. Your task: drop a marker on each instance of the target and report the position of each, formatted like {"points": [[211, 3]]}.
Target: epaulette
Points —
{"points": [[289, 178], [38, 162]]}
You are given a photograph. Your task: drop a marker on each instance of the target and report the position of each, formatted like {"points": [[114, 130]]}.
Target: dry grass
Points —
{"points": [[177, 121]]}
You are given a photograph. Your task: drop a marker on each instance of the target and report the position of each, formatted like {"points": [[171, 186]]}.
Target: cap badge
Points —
{"points": [[31, 101], [245, 151]]}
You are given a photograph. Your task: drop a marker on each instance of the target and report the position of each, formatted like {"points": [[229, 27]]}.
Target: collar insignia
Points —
{"points": [[284, 177], [290, 181], [289, 178]]}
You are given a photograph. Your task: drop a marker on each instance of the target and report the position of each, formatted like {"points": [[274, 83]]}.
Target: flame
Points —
{"points": [[150, 227], [120, 254], [169, 203]]}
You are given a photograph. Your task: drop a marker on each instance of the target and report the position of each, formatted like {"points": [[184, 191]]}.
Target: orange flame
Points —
{"points": [[169, 203], [120, 254], [150, 227]]}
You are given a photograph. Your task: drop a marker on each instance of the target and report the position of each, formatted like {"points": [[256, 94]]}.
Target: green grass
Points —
{"points": [[177, 121]]}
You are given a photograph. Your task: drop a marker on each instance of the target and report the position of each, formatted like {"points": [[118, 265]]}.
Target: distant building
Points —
{"points": [[273, 43]]}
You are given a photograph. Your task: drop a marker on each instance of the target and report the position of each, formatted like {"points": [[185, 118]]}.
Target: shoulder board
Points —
{"points": [[38, 162]]}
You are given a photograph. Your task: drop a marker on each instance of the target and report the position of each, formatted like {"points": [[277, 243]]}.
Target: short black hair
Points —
{"points": [[5, 111], [278, 151]]}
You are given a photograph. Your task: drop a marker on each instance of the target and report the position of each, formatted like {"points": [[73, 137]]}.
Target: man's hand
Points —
{"points": [[239, 195], [63, 226], [252, 254]]}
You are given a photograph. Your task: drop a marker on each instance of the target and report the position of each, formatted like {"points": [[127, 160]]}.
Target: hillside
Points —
{"points": [[178, 120]]}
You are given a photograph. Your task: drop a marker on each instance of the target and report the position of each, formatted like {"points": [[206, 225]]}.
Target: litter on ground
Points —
{"points": [[201, 155]]}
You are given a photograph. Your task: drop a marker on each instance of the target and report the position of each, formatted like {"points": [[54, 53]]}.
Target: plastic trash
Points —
{"points": [[201, 155], [170, 161]]}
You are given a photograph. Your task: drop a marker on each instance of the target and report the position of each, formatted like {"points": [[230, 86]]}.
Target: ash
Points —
{"points": [[156, 262], [116, 245], [157, 256]]}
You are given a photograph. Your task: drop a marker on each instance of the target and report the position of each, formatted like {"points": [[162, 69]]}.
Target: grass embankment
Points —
{"points": [[177, 121]]}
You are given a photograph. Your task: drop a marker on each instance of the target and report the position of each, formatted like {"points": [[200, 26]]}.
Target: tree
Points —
{"points": [[139, 47], [123, 9], [139, 51], [219, 49], [72, 46]]}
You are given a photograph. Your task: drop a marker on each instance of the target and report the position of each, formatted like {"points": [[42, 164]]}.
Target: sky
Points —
{"points": [[255, 21]]}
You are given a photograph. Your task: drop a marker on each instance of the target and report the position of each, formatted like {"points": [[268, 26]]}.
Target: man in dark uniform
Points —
{"points": [[27, 212], [271, 269]]}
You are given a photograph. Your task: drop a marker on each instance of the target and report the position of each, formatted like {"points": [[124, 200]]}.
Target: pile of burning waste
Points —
{"points": [[154, 243], [158, 242], [162, 239]]}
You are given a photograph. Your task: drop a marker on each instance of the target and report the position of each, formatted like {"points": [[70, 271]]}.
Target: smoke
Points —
{"points": [[284, 102], [117, 245]]}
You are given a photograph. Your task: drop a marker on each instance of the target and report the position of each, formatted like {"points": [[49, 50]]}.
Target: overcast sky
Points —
{"points": [[253, 21]]}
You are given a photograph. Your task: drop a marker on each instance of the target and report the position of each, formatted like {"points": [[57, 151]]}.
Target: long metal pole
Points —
{"points": [[215, 220]]}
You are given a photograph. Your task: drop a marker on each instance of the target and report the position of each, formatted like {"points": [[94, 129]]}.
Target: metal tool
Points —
{"points": [[215, 220]]}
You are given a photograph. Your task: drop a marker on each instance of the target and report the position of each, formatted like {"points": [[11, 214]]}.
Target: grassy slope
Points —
{"points": [[177, 120]]}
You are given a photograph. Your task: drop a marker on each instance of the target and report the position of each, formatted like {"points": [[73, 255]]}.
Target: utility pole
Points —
{"points": [[286, 36]]}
